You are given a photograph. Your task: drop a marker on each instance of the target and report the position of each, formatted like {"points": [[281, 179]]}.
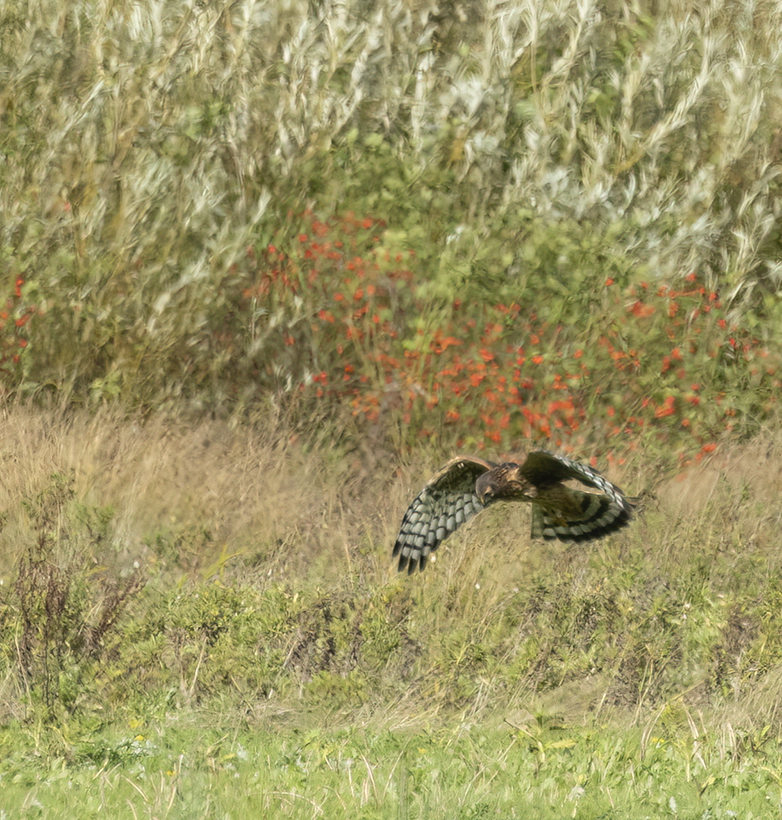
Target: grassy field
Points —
{"points": [[264, 267], [465, 771], [194, 647]]}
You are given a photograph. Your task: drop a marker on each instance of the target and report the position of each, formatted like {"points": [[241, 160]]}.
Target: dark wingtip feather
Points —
{"points": [[410, 563]]}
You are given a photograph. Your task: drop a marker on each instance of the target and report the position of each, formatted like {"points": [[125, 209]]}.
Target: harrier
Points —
{"points": [[467, 484]]}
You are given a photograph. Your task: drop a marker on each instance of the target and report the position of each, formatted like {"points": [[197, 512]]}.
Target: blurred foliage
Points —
{"points": [[516, 156], [669, 366]]}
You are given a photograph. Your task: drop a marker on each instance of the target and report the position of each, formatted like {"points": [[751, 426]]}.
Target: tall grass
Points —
{"points": [[197, 564]]}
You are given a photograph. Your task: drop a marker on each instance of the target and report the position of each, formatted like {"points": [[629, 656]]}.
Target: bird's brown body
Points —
{"points": [[467, 484], [505, 483]]}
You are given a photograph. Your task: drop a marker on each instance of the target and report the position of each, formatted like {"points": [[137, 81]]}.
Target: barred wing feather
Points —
{"points": [[446, 502]]}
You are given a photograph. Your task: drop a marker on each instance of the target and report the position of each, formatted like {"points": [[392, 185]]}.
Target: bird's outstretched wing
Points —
{"points": [[571, 514], [444, 504]]}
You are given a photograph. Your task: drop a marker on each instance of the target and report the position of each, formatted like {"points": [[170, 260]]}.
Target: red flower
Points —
{"points": [[665, 409], [641, 310]]}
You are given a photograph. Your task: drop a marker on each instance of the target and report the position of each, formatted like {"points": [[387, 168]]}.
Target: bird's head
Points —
{"points": [[485, 487], [504, 482]]}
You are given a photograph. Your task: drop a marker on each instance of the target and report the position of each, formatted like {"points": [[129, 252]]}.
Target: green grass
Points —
{"points": [[460, 770]]}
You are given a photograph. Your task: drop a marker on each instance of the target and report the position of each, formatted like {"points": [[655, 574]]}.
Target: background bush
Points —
{"points": [[190, 193]]}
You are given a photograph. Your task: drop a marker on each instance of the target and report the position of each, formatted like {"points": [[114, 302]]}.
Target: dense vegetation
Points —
{"points": [[435, 217], [264, 265]]}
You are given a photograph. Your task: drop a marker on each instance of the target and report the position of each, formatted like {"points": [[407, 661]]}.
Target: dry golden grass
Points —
{"points": [[263, 492], [253, 487]]}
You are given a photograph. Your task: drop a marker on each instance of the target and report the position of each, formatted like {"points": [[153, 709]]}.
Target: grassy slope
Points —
{"points": [[464, 772]]}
